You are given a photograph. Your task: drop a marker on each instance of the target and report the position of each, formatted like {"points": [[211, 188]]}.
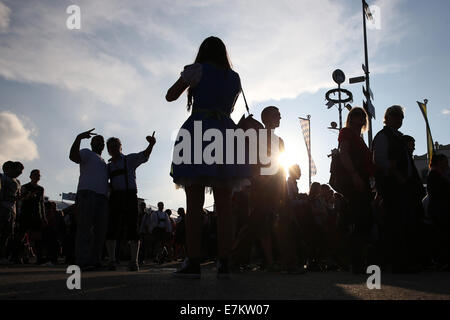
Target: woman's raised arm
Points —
{"points": [[176, 90]]}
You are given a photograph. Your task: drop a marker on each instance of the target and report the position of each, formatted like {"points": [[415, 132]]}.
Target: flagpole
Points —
{"points": [[366, 56], [309, 149], [425, 101]]}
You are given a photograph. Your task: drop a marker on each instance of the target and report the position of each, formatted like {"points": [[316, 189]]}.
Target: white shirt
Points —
{"points": [[146, 223], [155, 223], [134, 160], [93, 173]]}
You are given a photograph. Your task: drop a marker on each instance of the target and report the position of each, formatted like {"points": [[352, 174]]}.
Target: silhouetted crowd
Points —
{"points": [[374, 210], [382, 215]]}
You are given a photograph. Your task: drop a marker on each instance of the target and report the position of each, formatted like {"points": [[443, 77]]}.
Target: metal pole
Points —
{"points": [[367, 73], [340, 108], [309, 149]]}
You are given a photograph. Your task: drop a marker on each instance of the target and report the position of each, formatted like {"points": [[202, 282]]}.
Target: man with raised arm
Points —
{"points": [[91, 201], [123, 202]]}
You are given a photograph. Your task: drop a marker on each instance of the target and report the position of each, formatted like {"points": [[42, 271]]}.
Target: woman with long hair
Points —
{"points": [[356, 158], [213, 88]]}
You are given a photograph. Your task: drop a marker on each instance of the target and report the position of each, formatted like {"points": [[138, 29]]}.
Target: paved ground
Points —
{"points": [[156, 283]]}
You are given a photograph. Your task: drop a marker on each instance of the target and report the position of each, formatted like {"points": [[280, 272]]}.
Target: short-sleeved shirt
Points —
{"points": [[212, 87], [134, 160], [160, 219], [93, 173], [33, 204]]}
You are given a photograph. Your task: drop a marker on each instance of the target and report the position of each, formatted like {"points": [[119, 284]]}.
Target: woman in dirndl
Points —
{"points": [[213, 88]]}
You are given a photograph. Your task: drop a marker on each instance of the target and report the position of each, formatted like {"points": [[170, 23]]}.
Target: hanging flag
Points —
{"points": [[430, 145], [305, 124], [367, 11]]}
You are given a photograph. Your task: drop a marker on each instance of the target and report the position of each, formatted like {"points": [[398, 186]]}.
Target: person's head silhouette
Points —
{"points": [[357, 119], [114, 147], [271, 117], [410, 143], [35, 176], [98, 144], [160, 206], [393, 117], [213, 50], [17, 169], [8, 168]]}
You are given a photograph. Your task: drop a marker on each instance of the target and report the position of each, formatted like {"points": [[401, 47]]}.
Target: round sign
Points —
{"points": [[338, 76]]}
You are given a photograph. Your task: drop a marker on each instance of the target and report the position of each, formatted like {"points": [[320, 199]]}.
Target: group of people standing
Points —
{"points": [[107, 203], [383, 191], [30, 225], [385, 196]]}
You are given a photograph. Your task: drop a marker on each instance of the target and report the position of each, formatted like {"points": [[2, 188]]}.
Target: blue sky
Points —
{"points": [[113, 75]]}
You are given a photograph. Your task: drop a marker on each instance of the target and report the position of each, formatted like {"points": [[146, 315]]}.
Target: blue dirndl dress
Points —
{"points": [[214, 94]]}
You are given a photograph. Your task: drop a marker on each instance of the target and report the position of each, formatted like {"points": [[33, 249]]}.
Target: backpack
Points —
{"points": [[340, 179]]}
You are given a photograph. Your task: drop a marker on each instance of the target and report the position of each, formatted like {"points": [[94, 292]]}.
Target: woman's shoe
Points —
{"points": [[190, 269]]}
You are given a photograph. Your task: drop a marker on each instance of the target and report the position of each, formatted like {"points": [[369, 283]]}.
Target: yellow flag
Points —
{"points": [[430, 145]]}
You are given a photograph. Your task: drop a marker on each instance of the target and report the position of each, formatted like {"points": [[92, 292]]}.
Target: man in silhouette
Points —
{"points": [[10, 193], [123, 201], [395, 171], [32, 212], [92, 201]]}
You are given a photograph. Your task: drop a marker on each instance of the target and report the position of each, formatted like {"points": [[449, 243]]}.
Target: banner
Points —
{"points": [[305, 124], [430, 145]]}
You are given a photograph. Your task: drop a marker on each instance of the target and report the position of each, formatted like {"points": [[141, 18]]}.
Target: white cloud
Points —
{"points": [[446, 112], [128, 53], [4, 17], [15, 140], [281, 49], [41, 49]]}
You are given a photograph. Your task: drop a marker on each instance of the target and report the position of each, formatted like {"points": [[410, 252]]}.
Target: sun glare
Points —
{"points": [[286, 160]]}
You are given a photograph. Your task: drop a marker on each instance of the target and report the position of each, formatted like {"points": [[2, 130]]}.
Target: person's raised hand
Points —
{"points": [[87, 134], [151, 139]]}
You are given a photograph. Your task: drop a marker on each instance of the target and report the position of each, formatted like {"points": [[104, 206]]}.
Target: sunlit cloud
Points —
{"points": [[446, 112], [4, 17], [16, 141]]}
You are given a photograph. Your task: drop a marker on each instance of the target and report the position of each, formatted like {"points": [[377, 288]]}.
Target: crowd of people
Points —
{"points": [[374, 210]]}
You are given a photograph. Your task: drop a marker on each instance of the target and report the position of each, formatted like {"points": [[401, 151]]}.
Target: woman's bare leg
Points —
{"points": [[195, 198]]}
